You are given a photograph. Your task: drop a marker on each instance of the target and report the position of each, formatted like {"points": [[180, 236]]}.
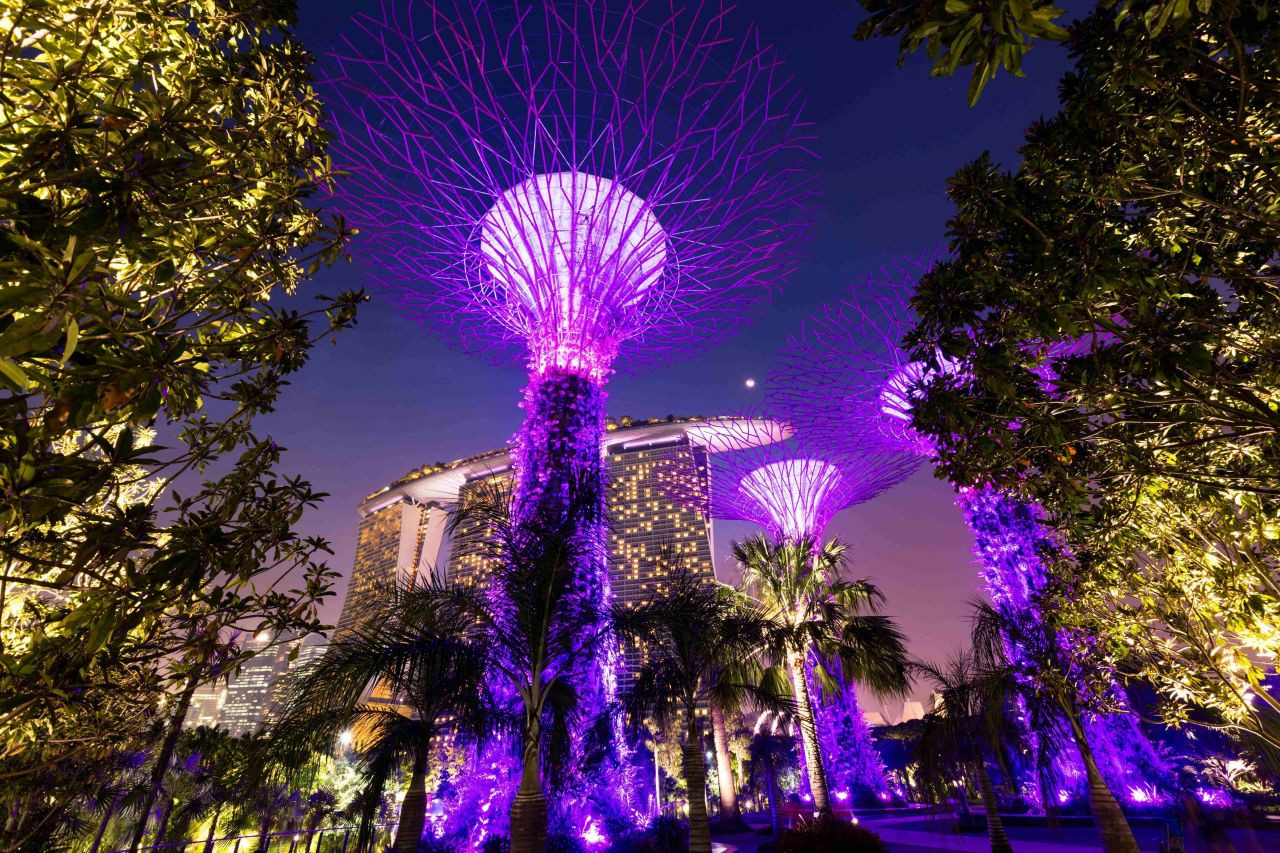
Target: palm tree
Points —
{"points": [[817, 621], [1050, 680], [963, 732], [419, 653], [703, 640], [541, 625], [770, 755]]}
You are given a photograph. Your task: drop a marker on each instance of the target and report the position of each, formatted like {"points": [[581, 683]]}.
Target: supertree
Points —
{"points": [[761, 471], [564, 182], [849, 383]]}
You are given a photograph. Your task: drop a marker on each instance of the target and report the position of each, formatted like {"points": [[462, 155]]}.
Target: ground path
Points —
{"points": [[915, 833]]}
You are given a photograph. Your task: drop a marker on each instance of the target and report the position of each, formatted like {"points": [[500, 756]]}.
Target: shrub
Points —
{"points": [[829, 834]]}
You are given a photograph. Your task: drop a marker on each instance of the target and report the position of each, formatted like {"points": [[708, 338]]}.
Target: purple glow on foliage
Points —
{"points": [[567, 178], [1216, 797], [848, 384]]}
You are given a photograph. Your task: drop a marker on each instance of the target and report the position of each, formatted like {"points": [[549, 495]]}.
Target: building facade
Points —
{"points": [[654, 468], [250, 700]]}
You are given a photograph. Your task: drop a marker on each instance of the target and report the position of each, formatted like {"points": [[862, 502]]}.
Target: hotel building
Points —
{"points": [[655, 468]]}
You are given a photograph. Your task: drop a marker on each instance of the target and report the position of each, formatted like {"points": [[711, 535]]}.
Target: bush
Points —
{"points": [[664, 835], [829, 834]]}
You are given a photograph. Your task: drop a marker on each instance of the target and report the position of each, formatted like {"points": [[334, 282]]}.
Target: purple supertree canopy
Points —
{"points": [[761, 471], [568, 177], [846, 379]]}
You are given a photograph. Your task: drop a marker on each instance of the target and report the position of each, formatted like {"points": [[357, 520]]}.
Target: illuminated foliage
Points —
{"points": [[159, 163], [1113, 305]]}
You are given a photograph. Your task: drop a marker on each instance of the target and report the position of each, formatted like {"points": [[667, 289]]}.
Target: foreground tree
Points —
{"points": [[1052, 682], [816, 622], [1112, 303], [703, 642], [393, 684], [964, 731], [157, 170]]}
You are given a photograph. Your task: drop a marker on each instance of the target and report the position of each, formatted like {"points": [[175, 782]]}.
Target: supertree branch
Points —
{"points": [[565, 179], [762, 470], [846, 380]]}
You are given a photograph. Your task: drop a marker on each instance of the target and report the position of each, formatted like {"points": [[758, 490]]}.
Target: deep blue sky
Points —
{"points": [[389, 397]]}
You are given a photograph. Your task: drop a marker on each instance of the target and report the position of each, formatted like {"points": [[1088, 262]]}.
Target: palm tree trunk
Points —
{"points": [[529, 811], [995, 826], [1112, 825], [102, 824], [809, 738], [730, 813], [413, 812], [162, 825], [771, 789], [213, 826], [162, 763], [695, 780]]}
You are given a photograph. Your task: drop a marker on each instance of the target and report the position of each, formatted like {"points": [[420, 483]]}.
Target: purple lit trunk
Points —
{"points": [[529, 810], [1113, 826], [557, 449], [1009, 539], [809, 737], [730, 814]]}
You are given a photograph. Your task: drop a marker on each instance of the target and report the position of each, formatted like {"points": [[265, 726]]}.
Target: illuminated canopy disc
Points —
{"points": [[792, 492], [571, 263]]}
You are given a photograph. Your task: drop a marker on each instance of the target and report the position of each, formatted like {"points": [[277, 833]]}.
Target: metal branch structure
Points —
{"points": [[568, 182], [850, 385], [565, 180], [762, 471]]}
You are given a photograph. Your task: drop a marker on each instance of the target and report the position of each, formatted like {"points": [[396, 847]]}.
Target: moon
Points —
{"points": [[750, 383]]}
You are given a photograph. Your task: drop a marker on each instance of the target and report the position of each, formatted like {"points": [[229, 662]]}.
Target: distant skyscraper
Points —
{"points": [[246, 709], [401, 526], [206, 705]]}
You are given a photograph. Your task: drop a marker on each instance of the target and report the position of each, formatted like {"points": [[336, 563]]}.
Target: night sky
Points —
{"points": [[390, 397]]}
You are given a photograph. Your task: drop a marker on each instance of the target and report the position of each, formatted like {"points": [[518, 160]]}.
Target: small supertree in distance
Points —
{"points": [[565, 182], [761, 471], [849, 383]]}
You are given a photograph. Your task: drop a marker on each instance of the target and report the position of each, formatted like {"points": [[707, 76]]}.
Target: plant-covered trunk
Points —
{"points": [[162, 764], [695, 781], [730, 813], [529, 811], [413, 812], [1112, 825], [809, 738], [995, 826]]}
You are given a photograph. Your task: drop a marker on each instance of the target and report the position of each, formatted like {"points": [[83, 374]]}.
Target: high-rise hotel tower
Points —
{"points": [[654, 468]]}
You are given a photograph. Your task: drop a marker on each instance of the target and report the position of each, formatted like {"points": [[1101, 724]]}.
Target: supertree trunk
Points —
{"points": [[558, 449], [809, 737]]}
